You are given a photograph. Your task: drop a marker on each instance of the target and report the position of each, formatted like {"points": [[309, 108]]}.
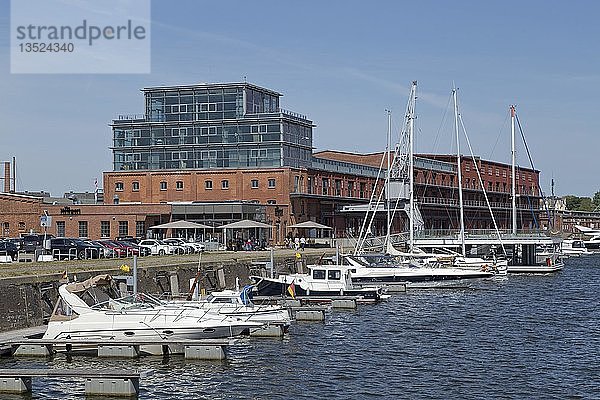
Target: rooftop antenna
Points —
{"points": [[245, 79]]}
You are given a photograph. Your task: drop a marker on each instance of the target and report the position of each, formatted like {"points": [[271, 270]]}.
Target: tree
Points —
{"points": [[586, 204], [596, 200], [572, 202]]}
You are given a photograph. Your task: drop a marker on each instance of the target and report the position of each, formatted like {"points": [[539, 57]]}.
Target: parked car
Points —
{"points": [[34, 241], [117, 249], [74, 248], [9, 249], [157, 247], [131, 249], [190, 247], [106, 251], [16, 241], [142, 251]]}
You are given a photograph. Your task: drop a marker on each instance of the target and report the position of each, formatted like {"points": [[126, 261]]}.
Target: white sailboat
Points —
{"points": [[414, 267], [551, 262]]}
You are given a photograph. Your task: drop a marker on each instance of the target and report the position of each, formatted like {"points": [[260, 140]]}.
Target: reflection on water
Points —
{"points": [[524, 337]]}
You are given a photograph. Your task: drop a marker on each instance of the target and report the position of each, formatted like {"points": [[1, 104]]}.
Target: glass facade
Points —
{"points": [[207, 126]]}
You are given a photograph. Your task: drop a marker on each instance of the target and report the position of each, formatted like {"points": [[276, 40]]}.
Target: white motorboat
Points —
{"points": [[384, 269], [322, 281], [89, 310], [236, 303], [573, 247]]}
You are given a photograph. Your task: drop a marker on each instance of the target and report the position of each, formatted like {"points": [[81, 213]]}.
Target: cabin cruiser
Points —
{"points": [[386, 269], [573, 247], [326, 281], [91, 310], [238, 303]]}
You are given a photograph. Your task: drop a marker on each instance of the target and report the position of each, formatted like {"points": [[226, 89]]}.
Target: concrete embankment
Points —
{"points": [[28, 291]]}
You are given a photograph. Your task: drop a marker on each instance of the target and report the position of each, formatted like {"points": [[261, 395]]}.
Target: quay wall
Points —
{"points": [[28, 300]]}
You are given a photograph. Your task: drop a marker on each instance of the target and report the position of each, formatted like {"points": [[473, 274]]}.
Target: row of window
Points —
{"points": [[140, 228], [208, 184], [497, 171]]}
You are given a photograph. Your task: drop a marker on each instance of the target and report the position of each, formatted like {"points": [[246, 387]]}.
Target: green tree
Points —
{"points": [[586, 204], [572, 202], [596, 200]]}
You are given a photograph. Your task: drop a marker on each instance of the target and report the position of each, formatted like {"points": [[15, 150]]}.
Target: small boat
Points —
{"points": [[322, 281], [238, 303], [90, 310], [383, 269], [574, 247]]}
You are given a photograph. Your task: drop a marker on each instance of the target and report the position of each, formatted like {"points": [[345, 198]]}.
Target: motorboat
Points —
{"points": [[386, 269], [239, 304], [91, 310], [323, 281], [574, 247]]}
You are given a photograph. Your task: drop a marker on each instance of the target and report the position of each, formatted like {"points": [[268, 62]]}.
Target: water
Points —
{"points": [[524, 337]]}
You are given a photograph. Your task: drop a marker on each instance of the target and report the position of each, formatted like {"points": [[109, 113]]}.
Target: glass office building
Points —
{"points": [[233, 125]]}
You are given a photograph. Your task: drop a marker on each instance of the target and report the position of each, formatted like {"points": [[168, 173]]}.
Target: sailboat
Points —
{"points": [[413, 267], [524, 255]]}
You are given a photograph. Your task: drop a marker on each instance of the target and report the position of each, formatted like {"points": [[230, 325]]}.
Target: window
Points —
{"points": [[60, 228], [119, 186], [105, 229], [163, 185], [318, 274], [135, 186], [271, 183], [123, 228], [497, 172], [224, 184], [140, 229], [334, 274], [254, 184], [208, 185], [83, 229], [324, 186], [179, 185]]}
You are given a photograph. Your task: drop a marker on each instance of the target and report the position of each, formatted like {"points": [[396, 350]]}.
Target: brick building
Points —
{"points": [[216, 153]]}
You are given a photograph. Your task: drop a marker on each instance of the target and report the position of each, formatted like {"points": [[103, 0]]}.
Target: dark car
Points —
{"points": [[34, 241], [16, 241], [69, 248], [9, 249]]}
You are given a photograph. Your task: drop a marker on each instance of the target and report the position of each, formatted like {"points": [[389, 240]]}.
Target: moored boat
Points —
{"points": [[90, 310]]}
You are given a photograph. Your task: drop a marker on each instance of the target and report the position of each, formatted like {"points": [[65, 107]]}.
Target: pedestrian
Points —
{"points": [[302, 243], [296, 243]]}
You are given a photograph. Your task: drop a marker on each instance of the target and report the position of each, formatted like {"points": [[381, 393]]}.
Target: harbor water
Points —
{"points": [[526, 336]]}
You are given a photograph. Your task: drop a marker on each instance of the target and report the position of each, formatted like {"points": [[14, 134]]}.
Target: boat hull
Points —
{"points": [[267, 287]]}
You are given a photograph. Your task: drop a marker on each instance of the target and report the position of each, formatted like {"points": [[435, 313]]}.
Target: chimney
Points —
{"points": [[7, 177]]}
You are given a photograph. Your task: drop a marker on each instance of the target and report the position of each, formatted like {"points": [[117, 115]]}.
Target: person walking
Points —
{"points": [[302, 243]]}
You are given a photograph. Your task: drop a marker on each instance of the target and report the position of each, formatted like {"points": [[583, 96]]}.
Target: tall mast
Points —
{"points": [[411, 165], [514, 179], [388, 178], [459, 172]]}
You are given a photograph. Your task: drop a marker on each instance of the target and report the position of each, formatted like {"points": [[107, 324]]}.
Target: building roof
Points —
{"points": [[203, 85], [374, 159]]}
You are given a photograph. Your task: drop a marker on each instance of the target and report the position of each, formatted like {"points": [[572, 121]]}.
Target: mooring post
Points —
{"points": [[272, 262], [135, 278]]}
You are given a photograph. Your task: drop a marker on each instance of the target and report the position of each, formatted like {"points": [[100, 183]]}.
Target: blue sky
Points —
{"points": [[342, 63]]}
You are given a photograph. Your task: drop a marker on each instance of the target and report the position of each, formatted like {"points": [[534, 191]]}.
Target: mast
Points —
{"points": [[388, 178], [514, 182], [411, 166], [459, 172]]}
